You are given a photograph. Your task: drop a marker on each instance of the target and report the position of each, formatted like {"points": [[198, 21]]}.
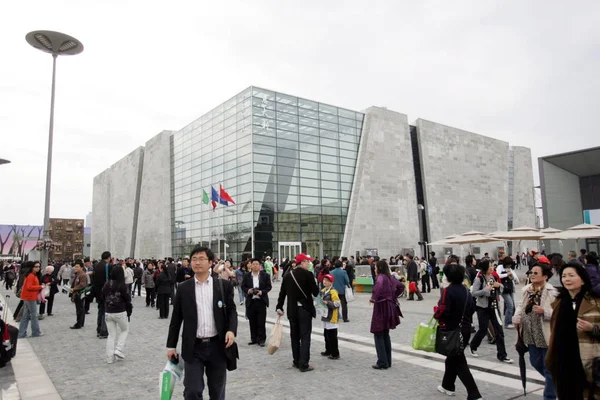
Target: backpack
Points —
{"points": [[11, 275], [429, 269]]}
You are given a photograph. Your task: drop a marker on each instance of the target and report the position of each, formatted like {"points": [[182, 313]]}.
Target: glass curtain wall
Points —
{"points": [[287, 162], [304, 155], [214, 149]]}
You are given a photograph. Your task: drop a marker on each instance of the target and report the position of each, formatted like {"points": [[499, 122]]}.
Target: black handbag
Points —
{"points": [[231, 353], [450, 343]]}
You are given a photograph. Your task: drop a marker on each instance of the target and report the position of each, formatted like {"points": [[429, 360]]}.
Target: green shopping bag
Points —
{"points": [[424, 338]]}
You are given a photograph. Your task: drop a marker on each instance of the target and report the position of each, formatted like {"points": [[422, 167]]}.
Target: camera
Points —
{"points": [[255, 291]]}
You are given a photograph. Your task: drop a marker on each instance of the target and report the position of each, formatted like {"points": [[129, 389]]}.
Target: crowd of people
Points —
{"points": [[557, 315]]}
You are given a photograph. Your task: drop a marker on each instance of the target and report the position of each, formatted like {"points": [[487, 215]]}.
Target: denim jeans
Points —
{"points": [[383, 347], [29, 314], [509, 307], [537, 356], [241, 293], [116, 322]]}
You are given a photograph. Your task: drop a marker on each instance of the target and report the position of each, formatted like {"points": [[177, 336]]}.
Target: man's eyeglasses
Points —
{"points": [[535, 273], [199, 259]]}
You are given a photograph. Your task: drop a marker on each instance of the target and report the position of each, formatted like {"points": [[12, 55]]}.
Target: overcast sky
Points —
{"points": [[526, 72]]}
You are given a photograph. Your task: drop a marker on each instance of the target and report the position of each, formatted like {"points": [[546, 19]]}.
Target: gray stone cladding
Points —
{"points": [[153, 238], [523, 195], [465, 179], [561, 197], [114, 206], [383, 204]]}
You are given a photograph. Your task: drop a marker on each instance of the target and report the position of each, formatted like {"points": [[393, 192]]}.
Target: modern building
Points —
{"points": [[307, 176], [67, 235], [570, 188]]}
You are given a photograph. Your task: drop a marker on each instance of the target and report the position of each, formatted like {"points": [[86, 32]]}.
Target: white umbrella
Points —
{"points": [[443, 241], [522, 233], [481, 238], [551, 234], [583, 231]]}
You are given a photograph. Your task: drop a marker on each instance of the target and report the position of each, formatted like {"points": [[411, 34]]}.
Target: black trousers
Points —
{"points": [[79, 310], [101, 328], [344, 307], [434, 281], [150, 296], [425, 284], [137, 284], [208, 358], [300, 329], [19, 306], [456, 366], [485, 316], [383, 347], [162, 303], [48, 304], [257, 316], [331, 342], [89, 299], [411, 296]]}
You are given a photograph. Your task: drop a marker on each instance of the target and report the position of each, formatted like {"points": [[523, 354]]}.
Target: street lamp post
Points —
{"points": [[57, 44]]}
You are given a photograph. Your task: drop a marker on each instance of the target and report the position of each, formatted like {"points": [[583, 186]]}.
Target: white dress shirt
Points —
{"points": [[255, 284], [204, 307]]}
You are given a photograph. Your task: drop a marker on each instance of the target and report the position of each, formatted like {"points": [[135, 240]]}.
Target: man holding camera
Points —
{"points": [[257, 285]]}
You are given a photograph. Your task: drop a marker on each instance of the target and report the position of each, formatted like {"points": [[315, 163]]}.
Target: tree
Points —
{"points": [[5, 240]]}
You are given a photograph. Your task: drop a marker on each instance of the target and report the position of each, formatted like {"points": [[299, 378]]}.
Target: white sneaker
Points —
{"points": [[473, 352], [119, 355], [510, 326], [507, 360], [446, 392]]}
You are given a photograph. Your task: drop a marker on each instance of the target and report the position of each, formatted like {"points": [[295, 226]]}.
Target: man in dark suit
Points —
{"points": [[101, 273], [257, 286], [299, 286], [206, 308]]}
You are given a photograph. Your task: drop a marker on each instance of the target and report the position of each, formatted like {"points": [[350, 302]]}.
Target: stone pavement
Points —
{"points": [[74, 360]]}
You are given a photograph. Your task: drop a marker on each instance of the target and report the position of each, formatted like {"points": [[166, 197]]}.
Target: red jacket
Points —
{"points": [[31, 288]]}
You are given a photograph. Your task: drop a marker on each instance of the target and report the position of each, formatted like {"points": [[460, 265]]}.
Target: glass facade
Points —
{"points": [[287, 162]]}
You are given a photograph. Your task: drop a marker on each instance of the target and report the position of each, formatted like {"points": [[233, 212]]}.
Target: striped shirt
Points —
{"points": [[204, 307]]}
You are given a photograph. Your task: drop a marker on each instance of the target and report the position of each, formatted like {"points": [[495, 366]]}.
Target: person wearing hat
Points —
{"points": [[331, 300], [299, 285]]}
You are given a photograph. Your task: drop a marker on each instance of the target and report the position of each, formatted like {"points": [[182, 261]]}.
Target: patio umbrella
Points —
{"points": [[522, 349], [522, 233], [443, 241], [583, 231]]}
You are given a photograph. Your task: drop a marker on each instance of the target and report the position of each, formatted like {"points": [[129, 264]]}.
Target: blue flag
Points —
{"points": [[216, 198]]}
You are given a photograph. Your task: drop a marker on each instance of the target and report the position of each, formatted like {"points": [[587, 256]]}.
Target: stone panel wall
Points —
{"points": [[153, 238], [100, 217], [523, 196], [383, 205], [465, 183]]}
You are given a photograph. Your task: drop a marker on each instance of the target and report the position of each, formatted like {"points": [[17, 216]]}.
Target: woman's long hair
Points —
{"points": [[117, 274], [581, 271], [383, 268]]}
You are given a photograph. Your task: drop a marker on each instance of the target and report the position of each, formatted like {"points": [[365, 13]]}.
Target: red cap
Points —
{"points": [[329, 276], [543, 259], [301, 257]]}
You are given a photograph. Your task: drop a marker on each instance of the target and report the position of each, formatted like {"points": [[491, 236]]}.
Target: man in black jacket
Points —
{"points": [[256, 285], [206, 308], [412, 274], [435, 270], [137, 279], [101, 274], [299, 286], [172, 271]]}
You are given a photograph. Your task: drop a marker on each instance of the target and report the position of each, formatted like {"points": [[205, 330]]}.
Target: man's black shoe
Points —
{"points": [[102, 336], [325, 354], [378, 367], [87, 312], [346, 320], [261, 344], [50, 314], [307, 369], [75, 327], [251, 343]]}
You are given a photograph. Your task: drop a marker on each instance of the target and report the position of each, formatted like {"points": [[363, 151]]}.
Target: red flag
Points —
{"points": [[214, 204], [224, 195]]}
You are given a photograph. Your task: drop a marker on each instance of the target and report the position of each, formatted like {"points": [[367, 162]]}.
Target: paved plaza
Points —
{"points": [[74, 361]]}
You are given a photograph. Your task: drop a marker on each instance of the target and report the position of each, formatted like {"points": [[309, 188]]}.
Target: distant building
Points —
{"points": [[67, 235], [88, 220], [87, 241], [17, 241], [570, 187]]}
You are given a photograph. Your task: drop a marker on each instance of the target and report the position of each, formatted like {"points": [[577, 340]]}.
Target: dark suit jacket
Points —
{"points": [[99, 277], [289, 289], [184, 310], [264, 284]]}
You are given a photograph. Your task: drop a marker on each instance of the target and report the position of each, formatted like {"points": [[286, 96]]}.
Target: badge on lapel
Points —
{"points": [[220, 304]]}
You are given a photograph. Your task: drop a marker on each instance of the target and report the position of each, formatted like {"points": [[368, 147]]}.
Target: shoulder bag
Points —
{"points": [[231, 353], [450, 343]]}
